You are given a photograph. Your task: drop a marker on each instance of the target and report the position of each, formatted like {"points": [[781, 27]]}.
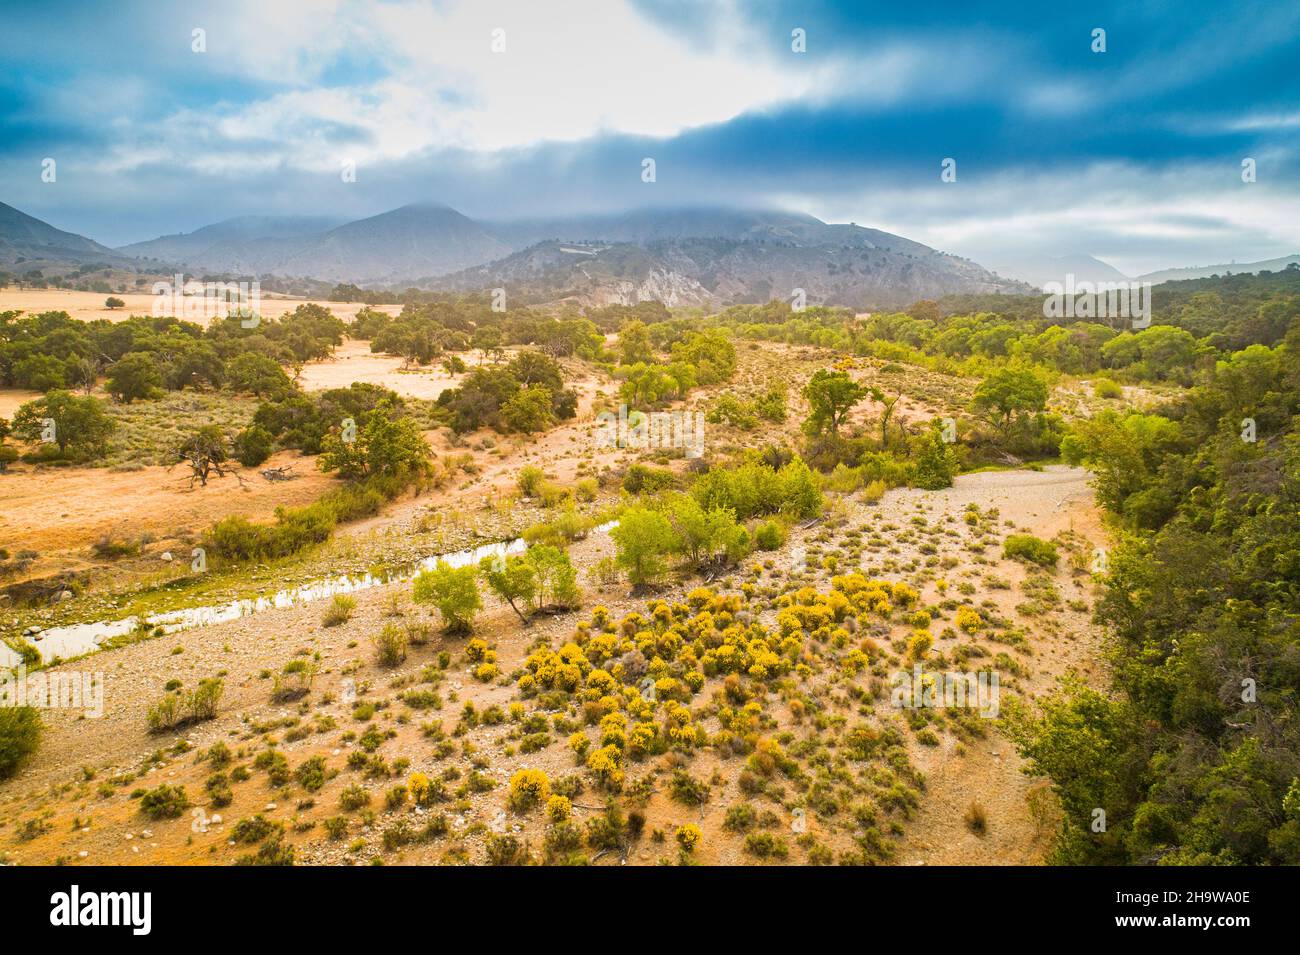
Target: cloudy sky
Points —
{"points": [[534, 107]]}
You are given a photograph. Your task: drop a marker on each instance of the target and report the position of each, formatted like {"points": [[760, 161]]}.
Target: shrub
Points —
{"points": [[530, 480], [353, 798], [390, 643], [1106, 388], [20, 735], [528, 788], [765, 845], [558, 809], [454, 592], [165, 802], [768, 536], [254, 829], [688, 837], [339, 610], [252, 446], [1030, 549], [177, 709]]}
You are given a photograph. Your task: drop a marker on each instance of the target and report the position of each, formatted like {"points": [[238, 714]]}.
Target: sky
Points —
{"points": [[163, 117]]}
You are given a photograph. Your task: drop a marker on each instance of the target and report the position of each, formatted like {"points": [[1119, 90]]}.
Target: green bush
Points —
{"points": [[769, 536], [165, 802], [1030, 549], [252, 446], [20, 735]]}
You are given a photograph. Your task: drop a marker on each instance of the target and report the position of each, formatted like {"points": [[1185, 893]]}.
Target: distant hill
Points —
{"points": [[1230, 268], [683, 256], [418, 239], [29, 243], [1038, 270], [230, 245], [860, 271]]}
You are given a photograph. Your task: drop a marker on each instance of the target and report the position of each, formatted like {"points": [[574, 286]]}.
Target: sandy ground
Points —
{"points": [[12, 398], [88, 306], [353, 361], [1044, 503], [58, 509], [54, 784]]}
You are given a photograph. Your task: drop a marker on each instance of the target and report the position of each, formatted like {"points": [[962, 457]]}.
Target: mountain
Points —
{"points": [[418, 239], [1038, 270], [1233, 268], [711, 271], [32, 243], [641, 226], [698, 255], [221, 246]]}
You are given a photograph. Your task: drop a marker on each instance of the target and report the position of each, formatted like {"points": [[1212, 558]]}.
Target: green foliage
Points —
{"points": [[454, 592], [830, 395], [1030, 549], [81, 425], [933, 461], [135, 376], [1194, 753], [20, 735], [384, 445], [253, 446], [1009, 391], [754, 489], [644, 538]]}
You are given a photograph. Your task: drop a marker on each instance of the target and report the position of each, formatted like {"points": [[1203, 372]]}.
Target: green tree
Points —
{"points": [[258, 375], [135, 375], [634, 343], [831, 395], [703, 534], [513, 579], [112, 303], [1009, 391], [528, 410], [384, 444], [253, 445], [644, 538], [933, 461], [453, 591], [79, 425]]}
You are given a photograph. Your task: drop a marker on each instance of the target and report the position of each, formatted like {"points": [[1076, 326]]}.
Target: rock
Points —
{"points": [[167, 555], [65, 595]]}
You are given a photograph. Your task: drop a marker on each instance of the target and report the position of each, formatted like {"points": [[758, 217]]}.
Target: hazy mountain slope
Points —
{"points": [[641, 226], [24, 237], [1038, 270], [248, 240], [423, 239], [1205, 271]]}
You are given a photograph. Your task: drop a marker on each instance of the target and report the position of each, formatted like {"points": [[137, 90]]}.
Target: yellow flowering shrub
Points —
{"points": [[528, 788], [689, 836], [420, 788], [559, 809]]}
